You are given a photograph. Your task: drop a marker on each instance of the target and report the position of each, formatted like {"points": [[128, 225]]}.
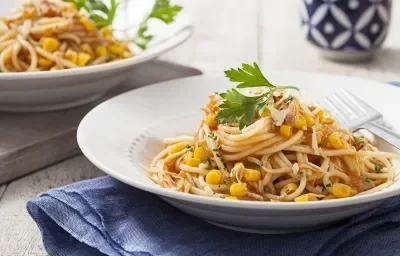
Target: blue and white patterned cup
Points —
{"points": [[346, 30]]}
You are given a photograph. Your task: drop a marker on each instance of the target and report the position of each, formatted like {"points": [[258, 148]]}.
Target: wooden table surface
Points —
{"points": [[227, 33]]}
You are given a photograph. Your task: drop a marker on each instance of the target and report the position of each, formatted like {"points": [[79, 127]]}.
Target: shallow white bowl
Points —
{"points": [[127, 130], [55, 90]]}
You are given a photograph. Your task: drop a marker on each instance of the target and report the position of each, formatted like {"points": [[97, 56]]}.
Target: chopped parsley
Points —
{"points": [[359, 139], [289, 99], [227, 182], [367, 180], [329, 185], [300, 175], [212, 136], [378, 168], [207, 161]]}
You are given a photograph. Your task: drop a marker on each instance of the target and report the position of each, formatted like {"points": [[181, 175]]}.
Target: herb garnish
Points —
{"points": [[329, 185], [378, 168], [207, 161], [300, 175], [367, 180], [359, 139], [163, 11], [239, 108], [102, 15], [289, 99], [212, 136]]}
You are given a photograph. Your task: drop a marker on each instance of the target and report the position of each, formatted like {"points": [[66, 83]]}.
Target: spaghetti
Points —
{"points": [[53, 35], [300, 155]]}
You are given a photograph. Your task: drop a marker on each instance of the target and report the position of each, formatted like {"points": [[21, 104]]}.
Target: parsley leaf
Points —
{"points": [[238, 108], [207, 161], [378, 168], [163, 11], [367, 180], [212, 136], [102, 15], [248, 76], [328, 185]]}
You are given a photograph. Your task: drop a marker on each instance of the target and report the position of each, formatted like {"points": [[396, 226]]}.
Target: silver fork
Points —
{"points": [[356, 114]]}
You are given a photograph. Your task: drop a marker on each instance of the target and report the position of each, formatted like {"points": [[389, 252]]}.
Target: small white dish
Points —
{"points": [[61, 89], [127, 130]]}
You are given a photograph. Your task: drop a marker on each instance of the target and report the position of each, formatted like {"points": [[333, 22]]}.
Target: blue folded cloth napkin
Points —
{"points": [[103, 216]]}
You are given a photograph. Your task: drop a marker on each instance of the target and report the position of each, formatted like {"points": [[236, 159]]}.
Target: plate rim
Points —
{"points": [[254, 205]]}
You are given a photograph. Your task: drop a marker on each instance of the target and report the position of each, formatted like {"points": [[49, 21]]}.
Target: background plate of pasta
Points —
{"points": [[56, 54], [246, 152]]}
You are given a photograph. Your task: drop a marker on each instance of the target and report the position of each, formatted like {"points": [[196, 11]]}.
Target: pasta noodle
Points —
{"points": [[52, 35], [293, 161]]}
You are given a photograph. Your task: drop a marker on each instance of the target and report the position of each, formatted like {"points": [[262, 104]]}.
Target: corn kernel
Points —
{"points": [[101, 51], [124, 45], [192, 161], [252, 175], [214, 177], [328, 120], [48, 32], [300, 122], [320, 115], [288, 189], [177, 148], [309, 120], [83, 59], [200, 153], [87, 49], [231, 198], [238, 189], [105, 31], [335, 141], [29, 13], [212, 123], [266, 112], [50, 44], [88, 24], [71, 56], [286, 130], [341, 190], [305, 198], [127, 54], [116, 49], [109, 38], [45, 62], [72, 5]]}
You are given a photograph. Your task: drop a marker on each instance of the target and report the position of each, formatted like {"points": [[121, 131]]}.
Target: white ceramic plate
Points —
{"points": [[55, 90], [121, 133]]}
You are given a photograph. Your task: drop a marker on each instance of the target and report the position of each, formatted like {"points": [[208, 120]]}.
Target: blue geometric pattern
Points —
{"points": [[345, 24]]}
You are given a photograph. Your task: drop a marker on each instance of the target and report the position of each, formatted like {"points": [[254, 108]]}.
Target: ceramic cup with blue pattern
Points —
{"points": [[346, 30]]}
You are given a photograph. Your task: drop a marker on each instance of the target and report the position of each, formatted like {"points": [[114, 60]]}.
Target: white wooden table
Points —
{"points": [[227, 33]]}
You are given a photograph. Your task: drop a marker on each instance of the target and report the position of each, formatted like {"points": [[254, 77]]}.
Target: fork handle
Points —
{"points": [[383, 132]]}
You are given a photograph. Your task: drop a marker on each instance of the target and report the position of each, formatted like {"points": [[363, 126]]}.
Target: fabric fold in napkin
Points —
{"points": [[103, 216]]}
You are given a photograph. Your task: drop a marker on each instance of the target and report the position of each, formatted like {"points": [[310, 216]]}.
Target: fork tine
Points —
{"points": [[359, 103], [335, 112], [345, 106]]}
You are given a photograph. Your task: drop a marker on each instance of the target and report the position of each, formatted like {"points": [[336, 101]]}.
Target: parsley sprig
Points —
{"points": [[100, 13], [239, 108], [104, 16], [163, 11]]}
